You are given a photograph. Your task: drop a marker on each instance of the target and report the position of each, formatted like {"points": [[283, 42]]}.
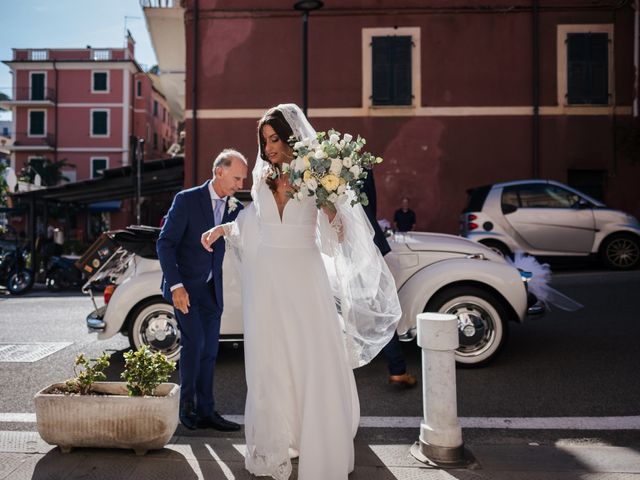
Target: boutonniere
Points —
{"points": [[232, 204]]}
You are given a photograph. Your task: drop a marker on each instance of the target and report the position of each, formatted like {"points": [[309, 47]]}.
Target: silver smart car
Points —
{"points": [[548, 218]]}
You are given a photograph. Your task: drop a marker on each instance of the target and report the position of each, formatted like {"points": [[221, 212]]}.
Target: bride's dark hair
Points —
{"points": [[276, 120]]}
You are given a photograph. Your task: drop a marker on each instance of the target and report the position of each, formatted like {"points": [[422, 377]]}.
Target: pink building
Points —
{"points": [[83, 105]]}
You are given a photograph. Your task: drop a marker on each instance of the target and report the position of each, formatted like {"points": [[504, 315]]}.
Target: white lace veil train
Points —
{"points": [[363, 287]]}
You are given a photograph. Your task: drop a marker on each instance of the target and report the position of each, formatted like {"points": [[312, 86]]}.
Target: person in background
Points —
{"points": [[404, 218]]}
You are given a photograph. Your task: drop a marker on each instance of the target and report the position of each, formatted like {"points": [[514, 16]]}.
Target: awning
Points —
{"points": [[159, 176], [108, 206]]}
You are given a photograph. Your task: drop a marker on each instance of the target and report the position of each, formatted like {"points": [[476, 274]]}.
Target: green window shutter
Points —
{"points": [[382, 71], [36, 123], [37, 86], [391, 70], [98, 165], [588, 68], [402, 70], [100, 82], [100, 120]]}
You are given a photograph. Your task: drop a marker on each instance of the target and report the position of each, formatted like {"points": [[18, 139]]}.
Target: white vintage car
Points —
{"points": [[433, 272]]}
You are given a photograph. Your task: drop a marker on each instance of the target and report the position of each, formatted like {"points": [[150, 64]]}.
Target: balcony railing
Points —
{"points": [[38, 55], [159, 3], [22, 139], [101, 54], [34, 94]]}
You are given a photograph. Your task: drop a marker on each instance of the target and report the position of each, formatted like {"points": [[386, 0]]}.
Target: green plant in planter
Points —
{"points": [[144, 371], [92, 373]]}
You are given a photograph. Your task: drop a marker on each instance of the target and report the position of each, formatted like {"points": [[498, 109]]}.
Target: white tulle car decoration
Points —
{"points": [[433, 272]]}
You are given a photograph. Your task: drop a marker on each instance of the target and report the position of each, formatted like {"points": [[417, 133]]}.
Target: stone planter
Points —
{"points": [[112, 420]]}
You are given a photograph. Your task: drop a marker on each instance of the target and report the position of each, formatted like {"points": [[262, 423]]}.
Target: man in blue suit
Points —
{"points": [[193, 283]]}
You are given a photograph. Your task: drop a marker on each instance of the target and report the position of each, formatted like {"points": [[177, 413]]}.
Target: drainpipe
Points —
{"points": [[636, 56], [194, 96], [614, 120], [55, 114], [535, 134]]}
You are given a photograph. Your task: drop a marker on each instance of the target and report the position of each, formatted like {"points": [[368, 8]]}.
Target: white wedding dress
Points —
{"points": [[301, 392]]}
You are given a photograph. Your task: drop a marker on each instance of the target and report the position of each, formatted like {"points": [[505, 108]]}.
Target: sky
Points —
{"points": [[70, 24]]}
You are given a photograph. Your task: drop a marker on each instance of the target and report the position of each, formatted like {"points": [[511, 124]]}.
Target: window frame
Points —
{"points": [[93, 161], [562, 65], [37, 135], [44, 92], [93, 81], [100, 135], [138, 88], [367, 67]]}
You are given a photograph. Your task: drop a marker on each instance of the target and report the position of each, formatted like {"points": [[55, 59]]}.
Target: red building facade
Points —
{"points": [[452, 94]]}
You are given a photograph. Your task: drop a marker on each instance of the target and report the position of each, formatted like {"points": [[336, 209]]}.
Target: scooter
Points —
{"points": [[63, 274], [14, 273]]}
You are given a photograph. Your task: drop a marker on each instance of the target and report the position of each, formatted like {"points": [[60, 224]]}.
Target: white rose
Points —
{"points": [[297, 182], [298, 164], [297, 145], [336, 166], [299, 195], [355, 170], [333, 139], [303, 188], [341, 189], [312, 184], [333, 198], [348, 137], [347, 162], [319, 154]]}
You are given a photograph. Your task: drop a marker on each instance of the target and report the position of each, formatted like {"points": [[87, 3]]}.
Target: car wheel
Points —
{"points": [[482, 322], [621, 252], [20, 282], [498, 247], [154, 324]]}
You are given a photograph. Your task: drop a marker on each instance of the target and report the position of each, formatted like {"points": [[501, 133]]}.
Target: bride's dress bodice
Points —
{"points": [[296, 228]]}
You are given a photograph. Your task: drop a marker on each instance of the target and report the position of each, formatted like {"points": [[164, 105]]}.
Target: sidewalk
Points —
{"points": [[23, 455]]}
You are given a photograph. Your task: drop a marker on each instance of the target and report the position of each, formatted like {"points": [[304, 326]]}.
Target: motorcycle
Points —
{"points": [[14, 274], [62, 273]]}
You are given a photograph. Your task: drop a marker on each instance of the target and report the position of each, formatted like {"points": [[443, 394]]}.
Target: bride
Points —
{"points": [[318, 300]]}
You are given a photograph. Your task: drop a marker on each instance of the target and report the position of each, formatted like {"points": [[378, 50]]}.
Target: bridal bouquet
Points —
{"points": [[328, 167]]}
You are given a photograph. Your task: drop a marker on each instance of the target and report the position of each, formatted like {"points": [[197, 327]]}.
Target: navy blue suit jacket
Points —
{"points": [[182, 257]]}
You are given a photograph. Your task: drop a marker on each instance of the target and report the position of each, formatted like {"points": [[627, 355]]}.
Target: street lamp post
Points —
{"points": [[306, 6]]}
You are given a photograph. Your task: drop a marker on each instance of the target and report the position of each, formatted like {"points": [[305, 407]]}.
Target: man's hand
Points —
{"points": [[330, 212], [180, 299], [209, 237]]}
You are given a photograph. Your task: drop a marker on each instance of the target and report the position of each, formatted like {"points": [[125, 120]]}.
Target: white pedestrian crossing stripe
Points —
{"points": [[510, 423]]}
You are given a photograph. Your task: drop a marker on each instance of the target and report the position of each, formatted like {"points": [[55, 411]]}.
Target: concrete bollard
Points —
{"points": [[440, 440]]}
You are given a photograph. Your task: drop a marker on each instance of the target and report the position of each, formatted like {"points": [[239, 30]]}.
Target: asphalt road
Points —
{"points": [[584, 363]]}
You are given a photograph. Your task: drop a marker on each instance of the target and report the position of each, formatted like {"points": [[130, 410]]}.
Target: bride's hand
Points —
{"points": [[209, 237]]}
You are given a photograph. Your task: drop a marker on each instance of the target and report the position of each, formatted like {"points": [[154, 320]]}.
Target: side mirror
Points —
{"points": [[582, 204], [508, 208]]}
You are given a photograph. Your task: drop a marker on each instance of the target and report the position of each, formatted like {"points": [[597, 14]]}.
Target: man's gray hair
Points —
{"points": [[225, 157]]}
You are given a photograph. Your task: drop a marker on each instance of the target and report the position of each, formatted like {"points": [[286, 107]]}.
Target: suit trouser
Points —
{"points": [[395, 357], [199, 340]]}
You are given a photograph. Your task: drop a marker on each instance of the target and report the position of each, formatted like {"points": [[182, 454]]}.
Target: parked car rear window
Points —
{"points": [[476, 198]]}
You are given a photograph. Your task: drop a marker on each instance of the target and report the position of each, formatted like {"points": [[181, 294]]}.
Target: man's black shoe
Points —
{"points": [[216, 422], [188, 416]]}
